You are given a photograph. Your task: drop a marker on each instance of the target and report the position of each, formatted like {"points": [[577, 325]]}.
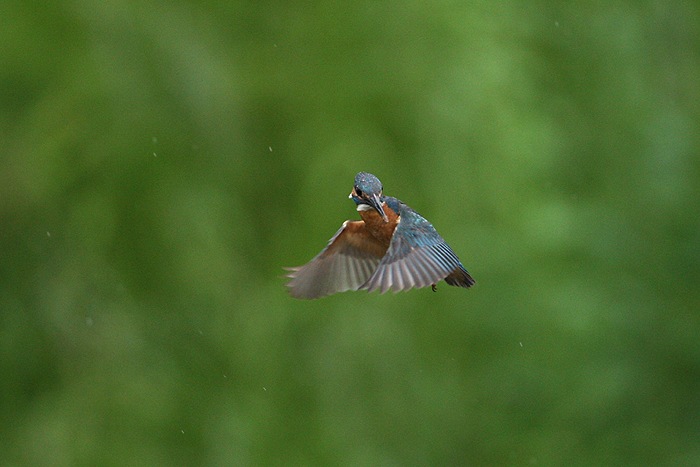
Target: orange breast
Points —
{"points": [[379, 229]]}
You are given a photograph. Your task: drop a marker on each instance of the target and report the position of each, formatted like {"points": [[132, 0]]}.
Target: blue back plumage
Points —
{"points": [[414, 229]]}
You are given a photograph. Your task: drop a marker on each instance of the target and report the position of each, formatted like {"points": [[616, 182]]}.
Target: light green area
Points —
{"points": [[160, 162]]}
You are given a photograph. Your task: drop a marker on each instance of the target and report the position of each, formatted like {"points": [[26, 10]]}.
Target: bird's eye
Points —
{"points": [[358, 192]]}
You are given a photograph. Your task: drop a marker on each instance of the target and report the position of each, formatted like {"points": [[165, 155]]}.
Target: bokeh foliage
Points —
{"points": [[161, 161]]}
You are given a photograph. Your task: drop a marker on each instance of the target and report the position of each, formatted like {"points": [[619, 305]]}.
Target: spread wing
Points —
{"points": [[417, 257], [345, 264]]}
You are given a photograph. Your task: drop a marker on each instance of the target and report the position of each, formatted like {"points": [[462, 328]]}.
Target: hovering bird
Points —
{"points": [[392, 247]]}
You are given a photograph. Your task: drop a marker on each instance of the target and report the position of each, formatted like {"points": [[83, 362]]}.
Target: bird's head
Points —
{"points": [[367, 194]]}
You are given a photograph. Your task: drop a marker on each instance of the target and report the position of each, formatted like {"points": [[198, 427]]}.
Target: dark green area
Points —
{"points": [[160, 162]]}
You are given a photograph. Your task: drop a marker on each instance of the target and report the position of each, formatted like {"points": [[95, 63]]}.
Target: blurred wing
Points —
{"points": [[417, 257], [345, 264]]}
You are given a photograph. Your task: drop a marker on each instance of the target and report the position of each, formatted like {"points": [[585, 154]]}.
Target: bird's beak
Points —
{"points": [[376, 203]]}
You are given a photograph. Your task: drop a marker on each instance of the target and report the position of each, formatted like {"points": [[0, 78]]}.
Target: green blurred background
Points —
{"points": [[162, 161]]}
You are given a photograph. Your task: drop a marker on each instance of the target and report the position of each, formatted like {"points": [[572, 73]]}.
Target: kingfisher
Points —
{"points": [[391, 248]]}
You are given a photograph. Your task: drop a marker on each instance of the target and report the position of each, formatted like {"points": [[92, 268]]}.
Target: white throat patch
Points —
{"points": [[364, 207]]}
